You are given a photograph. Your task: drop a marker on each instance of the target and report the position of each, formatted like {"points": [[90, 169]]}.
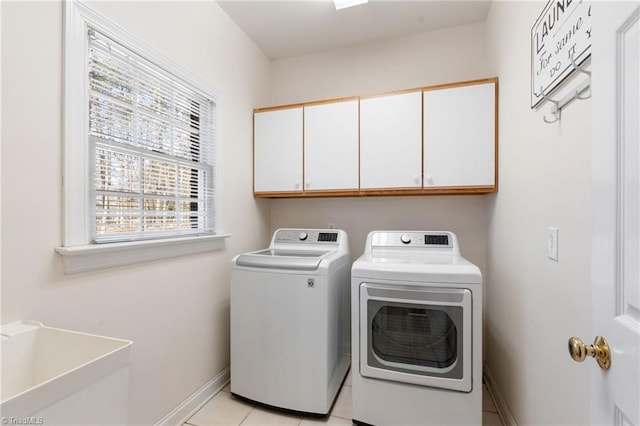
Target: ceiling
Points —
{"points": [[288, 28]]}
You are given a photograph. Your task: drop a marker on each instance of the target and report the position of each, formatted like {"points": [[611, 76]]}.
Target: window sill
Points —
{"points": [[101, 256]]}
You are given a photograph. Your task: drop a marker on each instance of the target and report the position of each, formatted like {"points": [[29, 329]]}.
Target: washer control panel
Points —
{"points": [[306, 236]]}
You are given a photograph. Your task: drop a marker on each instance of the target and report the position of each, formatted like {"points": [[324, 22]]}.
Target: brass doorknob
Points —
{"points": [[599, 350]]}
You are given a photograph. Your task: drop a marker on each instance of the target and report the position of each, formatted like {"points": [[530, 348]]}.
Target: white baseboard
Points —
{"points": [[498, 398], [197, 400]]}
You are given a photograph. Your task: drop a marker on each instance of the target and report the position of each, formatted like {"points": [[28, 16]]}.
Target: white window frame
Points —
{"points": [[78, 251]]}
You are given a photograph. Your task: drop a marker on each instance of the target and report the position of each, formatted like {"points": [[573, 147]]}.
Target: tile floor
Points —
{"points": [[225, 409]]}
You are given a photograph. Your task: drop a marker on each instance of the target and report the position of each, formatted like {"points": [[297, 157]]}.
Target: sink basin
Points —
{"points": [[58, 376]]}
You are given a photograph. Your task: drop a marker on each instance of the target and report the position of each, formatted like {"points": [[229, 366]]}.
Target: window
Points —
{"points": [[151, 142], [140, 145]]}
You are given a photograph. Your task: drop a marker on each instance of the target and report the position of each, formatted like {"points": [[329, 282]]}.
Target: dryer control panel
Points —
{"points": [[426, 240]]}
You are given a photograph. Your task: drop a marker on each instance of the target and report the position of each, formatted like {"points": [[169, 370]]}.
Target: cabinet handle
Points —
{"points": [[416, 179], [428, 180], [307, 184], [298, 184]]}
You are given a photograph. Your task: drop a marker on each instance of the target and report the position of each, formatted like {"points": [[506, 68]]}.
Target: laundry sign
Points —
{"points": [[561, 32]]}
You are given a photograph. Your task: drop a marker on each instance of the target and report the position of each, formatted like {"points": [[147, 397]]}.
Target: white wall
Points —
{"points": [[444, 56], [535, 304], [177, 310], [466, 216]]}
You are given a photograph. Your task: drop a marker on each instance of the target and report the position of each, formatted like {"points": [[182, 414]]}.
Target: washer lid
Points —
{"points": [[299, 260]]}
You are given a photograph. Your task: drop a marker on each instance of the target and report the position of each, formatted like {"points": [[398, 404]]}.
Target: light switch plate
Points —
{"points": [[552, 243]]}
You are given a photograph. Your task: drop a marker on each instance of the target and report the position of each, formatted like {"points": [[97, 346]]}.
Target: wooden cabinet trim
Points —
{"points": [[497, 131], [331, 101], [462, 84], [381, 192], [275, 108], [393, 93]]}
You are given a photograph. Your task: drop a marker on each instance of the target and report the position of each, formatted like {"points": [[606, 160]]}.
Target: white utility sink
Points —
{"points": [[56, 376]]}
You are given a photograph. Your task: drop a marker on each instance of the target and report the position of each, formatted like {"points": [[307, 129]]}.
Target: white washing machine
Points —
{"points": [[416, 318], [290, 320]]}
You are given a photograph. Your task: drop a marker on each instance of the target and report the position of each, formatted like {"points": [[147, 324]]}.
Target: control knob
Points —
{"points": [[302, 236], [405, 238]]}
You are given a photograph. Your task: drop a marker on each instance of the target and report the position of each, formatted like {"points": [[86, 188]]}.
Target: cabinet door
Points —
{"points": [[277, 155], [460, 136], [391, 141], [331, 146]]}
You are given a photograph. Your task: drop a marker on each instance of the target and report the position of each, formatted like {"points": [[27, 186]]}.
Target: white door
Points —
{"points": [[615, 398]]}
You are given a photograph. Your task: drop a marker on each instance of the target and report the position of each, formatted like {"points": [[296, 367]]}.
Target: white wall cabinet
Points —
{"points": [[460, 136], [391, 141], [331, 146], [277, 145], [431, 140]]}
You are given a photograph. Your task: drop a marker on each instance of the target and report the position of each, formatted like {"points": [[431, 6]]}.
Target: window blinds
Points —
{"points": [[152, 140]]}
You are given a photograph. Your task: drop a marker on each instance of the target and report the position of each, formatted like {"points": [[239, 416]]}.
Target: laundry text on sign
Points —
{"points": [[562, 32]]}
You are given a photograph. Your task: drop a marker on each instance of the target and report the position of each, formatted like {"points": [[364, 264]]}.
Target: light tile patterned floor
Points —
{"points": [[225, 409]]}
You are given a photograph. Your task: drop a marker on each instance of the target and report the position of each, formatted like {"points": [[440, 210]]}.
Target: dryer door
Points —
{"points": [[419, 335]]}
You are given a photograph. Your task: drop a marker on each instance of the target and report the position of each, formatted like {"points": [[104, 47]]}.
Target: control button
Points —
{"points": [[405, 238], [302, 236]]}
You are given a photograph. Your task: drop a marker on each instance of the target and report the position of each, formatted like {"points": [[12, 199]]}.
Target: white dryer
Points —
{"points": [[416, 318], [290, 320]]}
